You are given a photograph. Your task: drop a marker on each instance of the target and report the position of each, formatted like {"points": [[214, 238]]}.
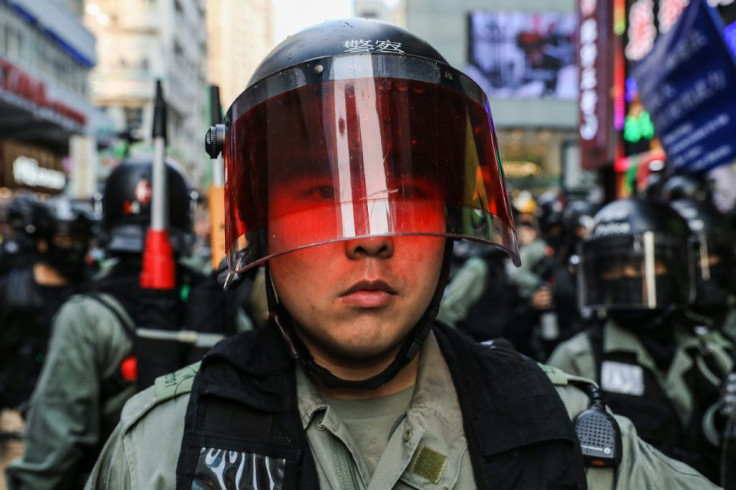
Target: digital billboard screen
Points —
{"points": [[523, 55]]}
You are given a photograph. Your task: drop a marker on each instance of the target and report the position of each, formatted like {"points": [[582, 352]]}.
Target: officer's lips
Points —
{"points": [[369, 294]]}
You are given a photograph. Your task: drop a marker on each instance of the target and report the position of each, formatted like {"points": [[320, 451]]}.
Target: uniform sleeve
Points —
{"points": [[65, 418], [111, 469], [643, 466], [143, 450], [463, 291], [574, 356]]}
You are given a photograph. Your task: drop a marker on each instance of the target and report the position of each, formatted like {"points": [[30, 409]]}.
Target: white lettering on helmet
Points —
{"points": [[613, 228]]}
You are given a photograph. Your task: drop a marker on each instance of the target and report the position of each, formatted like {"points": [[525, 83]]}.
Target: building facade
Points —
{"points": [[139, 42], [240, 36], [46, 55]]}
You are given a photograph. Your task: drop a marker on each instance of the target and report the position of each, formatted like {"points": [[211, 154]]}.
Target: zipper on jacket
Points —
{"points": [[346, 466]]}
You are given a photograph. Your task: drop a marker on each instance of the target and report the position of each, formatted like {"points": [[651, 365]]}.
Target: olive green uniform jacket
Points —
{"points": [[70, 415], [65, 421], [144, 449], [576, 356]]}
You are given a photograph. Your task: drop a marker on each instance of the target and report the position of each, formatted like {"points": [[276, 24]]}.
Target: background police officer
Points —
{"points": [[713, 306], [30, 295], [638, 266], [91, 367]]}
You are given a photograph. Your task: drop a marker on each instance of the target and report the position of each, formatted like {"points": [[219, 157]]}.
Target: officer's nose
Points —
{"points": [[380, 247]]}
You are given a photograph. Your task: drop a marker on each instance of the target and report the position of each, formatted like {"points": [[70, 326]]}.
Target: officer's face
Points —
{"points": [[356, 300], [353, 301], [631, 270]]}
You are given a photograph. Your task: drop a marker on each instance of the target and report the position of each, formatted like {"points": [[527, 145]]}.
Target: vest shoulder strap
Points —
{"points": [[165, 388], [112, 304], [558, 377], [177, 383]]}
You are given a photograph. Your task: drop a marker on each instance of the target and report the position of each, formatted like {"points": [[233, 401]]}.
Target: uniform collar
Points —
{"points": [[432, 424], [434, 383]]}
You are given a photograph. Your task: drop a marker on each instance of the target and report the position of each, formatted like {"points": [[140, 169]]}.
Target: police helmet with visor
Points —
{"points": [[638, 256], [66, 228], [19, 214], [716, 255], [357, 128], [126, 205], [62, 216]]}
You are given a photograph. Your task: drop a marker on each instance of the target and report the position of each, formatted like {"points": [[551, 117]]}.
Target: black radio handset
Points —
{"points": [[598, 431]]}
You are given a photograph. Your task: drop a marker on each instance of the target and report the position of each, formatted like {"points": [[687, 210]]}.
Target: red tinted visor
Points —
{"points": [[357, 146]]}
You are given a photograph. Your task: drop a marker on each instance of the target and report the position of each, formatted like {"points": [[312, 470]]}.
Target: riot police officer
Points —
{"points": [[30, 296], [92, 366], [355, 156], [18, 248], [714, 266], [638, 267]]}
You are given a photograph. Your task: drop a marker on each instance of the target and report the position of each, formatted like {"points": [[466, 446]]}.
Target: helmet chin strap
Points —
{"points": [[411, 345]]}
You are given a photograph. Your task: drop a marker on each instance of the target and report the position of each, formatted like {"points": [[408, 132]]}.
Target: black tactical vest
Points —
{"points": [[242, 423], [654, 415]]}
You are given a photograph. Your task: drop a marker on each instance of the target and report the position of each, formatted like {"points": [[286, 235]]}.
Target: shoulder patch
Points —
{"points": [[558, 377], [176, 383]]}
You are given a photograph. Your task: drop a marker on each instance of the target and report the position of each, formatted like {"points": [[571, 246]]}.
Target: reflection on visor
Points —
{"points": [[639, 271], [352, 157]]}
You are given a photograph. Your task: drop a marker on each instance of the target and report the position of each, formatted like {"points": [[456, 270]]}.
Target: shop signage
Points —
{"points": [[23, 165], [27, 171], [594, 104], [688, 84], [16, 81]]}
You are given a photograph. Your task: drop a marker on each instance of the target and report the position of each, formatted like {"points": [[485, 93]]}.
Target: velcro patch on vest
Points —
{"points": [[429, 464], [619, 377]]}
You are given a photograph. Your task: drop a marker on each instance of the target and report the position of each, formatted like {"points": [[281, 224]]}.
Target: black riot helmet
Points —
{"points": [[61, 216], [638, 257], [685, 187], [18, 247], [716, 257], [550, 206], [19, 214], [357, 128], [577, 217], [377, 121], [66, 228], [126, 206]]}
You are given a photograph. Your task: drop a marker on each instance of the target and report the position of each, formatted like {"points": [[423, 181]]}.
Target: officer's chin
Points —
{"points": [[355, 356]]}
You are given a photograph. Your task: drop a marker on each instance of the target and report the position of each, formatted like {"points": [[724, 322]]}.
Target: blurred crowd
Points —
{"points": [[71, 307]]}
